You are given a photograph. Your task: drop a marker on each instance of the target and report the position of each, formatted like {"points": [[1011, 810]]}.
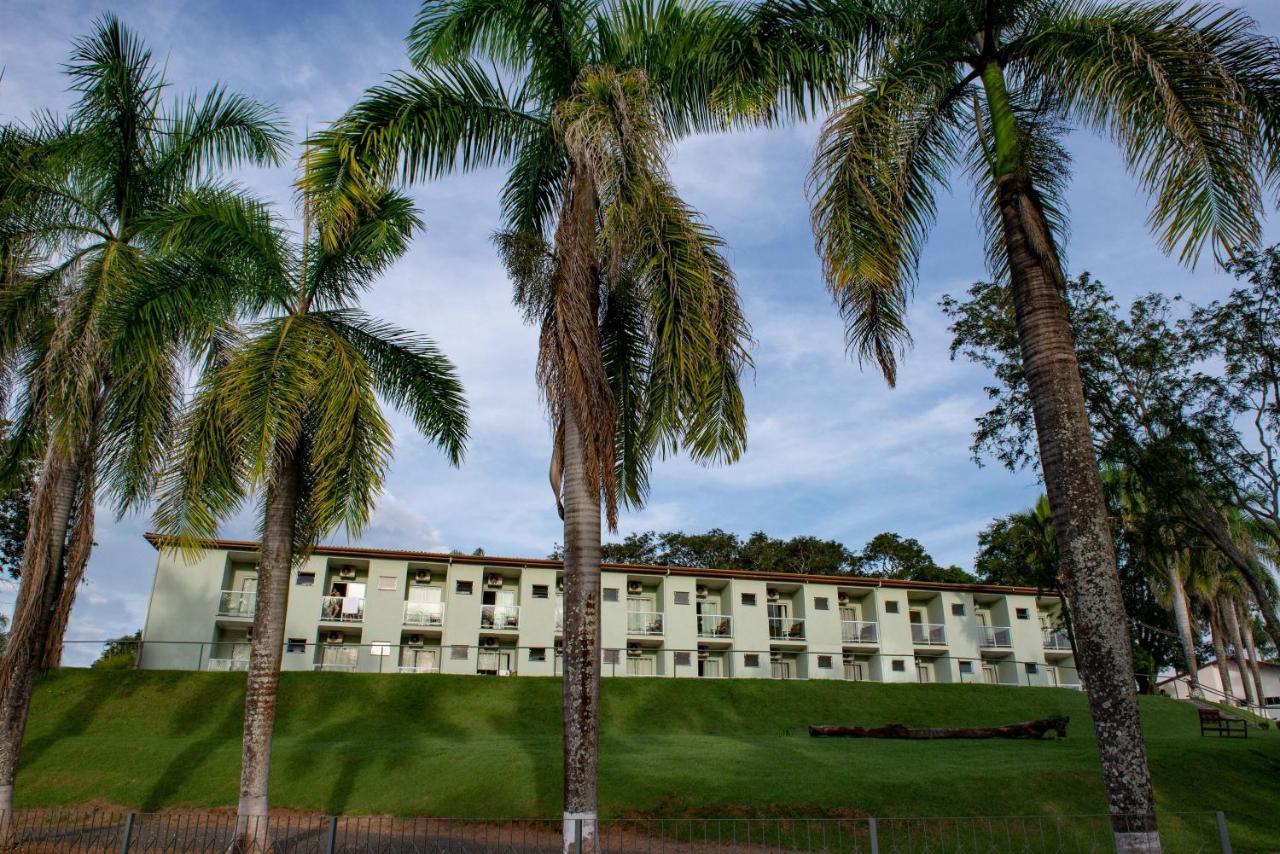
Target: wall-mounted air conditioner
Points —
{"points": [[333, 637], [634, 587], [248, 633], [700, 591], [772, 594], [493, 581], [842, 598], [775, 657], [633, 652], [703, 654], [559, 583], [489, 642], [422, 576], [850, 659], [415, 640], [347, 572]]}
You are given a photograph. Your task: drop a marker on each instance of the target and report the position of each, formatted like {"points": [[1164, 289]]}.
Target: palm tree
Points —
{"points": [[642, 337], [1190, 93], [290, 411], [96, 323]]}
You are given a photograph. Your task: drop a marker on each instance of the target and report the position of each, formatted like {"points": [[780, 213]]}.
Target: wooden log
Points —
{"points": [[1022, 729]]}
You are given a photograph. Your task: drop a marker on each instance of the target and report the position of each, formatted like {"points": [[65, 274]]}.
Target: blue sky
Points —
{"points": [[832, 452]]}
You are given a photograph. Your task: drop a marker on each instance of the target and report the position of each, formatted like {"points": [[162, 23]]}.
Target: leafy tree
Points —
{"points": [[97, 324], [15, 516], [723, 550], [642, 339], [888, 555], [1019, 549], [119, 654], [289, 411]]}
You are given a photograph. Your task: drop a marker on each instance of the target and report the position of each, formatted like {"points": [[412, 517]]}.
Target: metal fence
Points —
{"points": [[101, 831]]}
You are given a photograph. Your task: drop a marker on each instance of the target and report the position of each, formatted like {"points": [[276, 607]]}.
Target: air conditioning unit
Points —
{"points": [[850, 659], [633, 651], [333, 637], [634, 587], [700, 591], [775, 657], [558, 646], [772, 594], [489, 642], [422, 576], [493, 580], [248, 633], [842, 598], [703, 653], [347, 572], [559, 583], [415, 640]]}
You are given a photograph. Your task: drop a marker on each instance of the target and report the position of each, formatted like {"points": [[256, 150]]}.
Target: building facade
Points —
{"points": [[375, 610], [1211, 684]]}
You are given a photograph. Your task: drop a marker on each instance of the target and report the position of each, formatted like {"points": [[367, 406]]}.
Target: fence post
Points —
{"points": [[577, 835], [331, 840], [126, 834], [875, 837], [1224, 838]]}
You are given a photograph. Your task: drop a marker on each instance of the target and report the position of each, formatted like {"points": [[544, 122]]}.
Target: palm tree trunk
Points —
{"points": [[279, 519], [1252, 647], [1220, 652], [38, 594], [581, 644], [1088, 565], [1182, 616], [1242, 663]]}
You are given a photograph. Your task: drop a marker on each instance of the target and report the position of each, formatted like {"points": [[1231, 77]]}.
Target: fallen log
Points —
{"points": [[1022, 729]]}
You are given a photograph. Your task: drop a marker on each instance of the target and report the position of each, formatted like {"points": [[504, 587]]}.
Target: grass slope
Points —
{"points": [[467, 746]]}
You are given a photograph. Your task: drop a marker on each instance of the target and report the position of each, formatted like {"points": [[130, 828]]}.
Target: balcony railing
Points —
{"points": [[500, 617], [335, 667], [237, 603], [418, 668], [1056, 639], [859, 631], [342, 609], [995, 637], [785, 628], [644, 623], [928, 634], [559, 619], [715, 626], [424, 613], [227, 665]]}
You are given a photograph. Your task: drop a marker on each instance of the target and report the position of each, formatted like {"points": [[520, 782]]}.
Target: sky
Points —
{"points": [[832, 452]]}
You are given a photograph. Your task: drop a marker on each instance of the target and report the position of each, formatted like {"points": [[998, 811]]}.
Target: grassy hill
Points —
{"points": [[468, 746]]}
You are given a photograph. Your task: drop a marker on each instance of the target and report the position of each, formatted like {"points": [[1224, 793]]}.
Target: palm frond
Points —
{"points": [[341, 266], [222, 130]]}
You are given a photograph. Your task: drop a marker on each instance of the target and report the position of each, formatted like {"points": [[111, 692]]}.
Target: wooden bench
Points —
{"points": [[1213, 720]]}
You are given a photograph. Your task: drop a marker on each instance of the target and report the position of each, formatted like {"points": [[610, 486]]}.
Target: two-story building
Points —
{"points": [[397, 611]]}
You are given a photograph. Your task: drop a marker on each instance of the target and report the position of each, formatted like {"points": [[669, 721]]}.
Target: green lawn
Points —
{"points": [[468, 746]]}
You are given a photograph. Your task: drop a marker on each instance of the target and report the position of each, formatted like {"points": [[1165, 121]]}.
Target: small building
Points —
{"points": [[1211, 683], [358, 609]]}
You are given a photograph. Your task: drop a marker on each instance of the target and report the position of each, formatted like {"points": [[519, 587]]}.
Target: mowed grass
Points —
{"points": [[475, 747]]}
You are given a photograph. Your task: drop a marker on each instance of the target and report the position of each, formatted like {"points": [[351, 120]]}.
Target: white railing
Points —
{"points": [[559, 618], [715, 626], [500, 617], [644, 623], [335, 667], [995, 637], [418, 668], [228, 665], [859, 631], [785, 628], [855, 673], [1056, 639], [237, 603], [928, 634], [423, 613], [342, 609]]}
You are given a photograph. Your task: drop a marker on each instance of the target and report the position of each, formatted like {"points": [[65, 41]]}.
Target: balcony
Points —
{"points": [[715, 626], [237, 603], [227, 665], [335, 667], [646, 623], [786, 629], [417, 668], [500, 617], [342, 609], [859, 631], [928, 634], [995, 637], [428, 614], [1056, 639]]}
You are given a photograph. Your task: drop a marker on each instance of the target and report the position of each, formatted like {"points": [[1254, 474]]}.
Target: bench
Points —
{"points": [[1213, 720]]}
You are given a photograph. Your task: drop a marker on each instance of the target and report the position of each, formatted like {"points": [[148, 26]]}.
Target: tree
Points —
{"points": [[1019, 549], [724, 550], [888, 555], [1190, 95], [289, 410], [642, 339], [119, 654], [97, 325]]}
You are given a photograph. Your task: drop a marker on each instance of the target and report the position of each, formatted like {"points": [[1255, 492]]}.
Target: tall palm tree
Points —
{"points": [[1190, 93], [290, 412], [642, 337], [95, 322]]}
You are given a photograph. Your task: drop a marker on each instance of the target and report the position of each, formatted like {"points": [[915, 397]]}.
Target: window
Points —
{"points": [[463, 587], [824, 662], [295, 644], [749, 599], [458, 653], [899, 667], [538, 653], [822, 603], [751, 659], [1022, 613], [1032, 668], [1271, 701], [966, 667], [541, 591], [611, 655], [891, 607], [957, 610], [611, 594], [380, 648], [682, 659], [680, 597], [305, 579], [386, 582]]}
